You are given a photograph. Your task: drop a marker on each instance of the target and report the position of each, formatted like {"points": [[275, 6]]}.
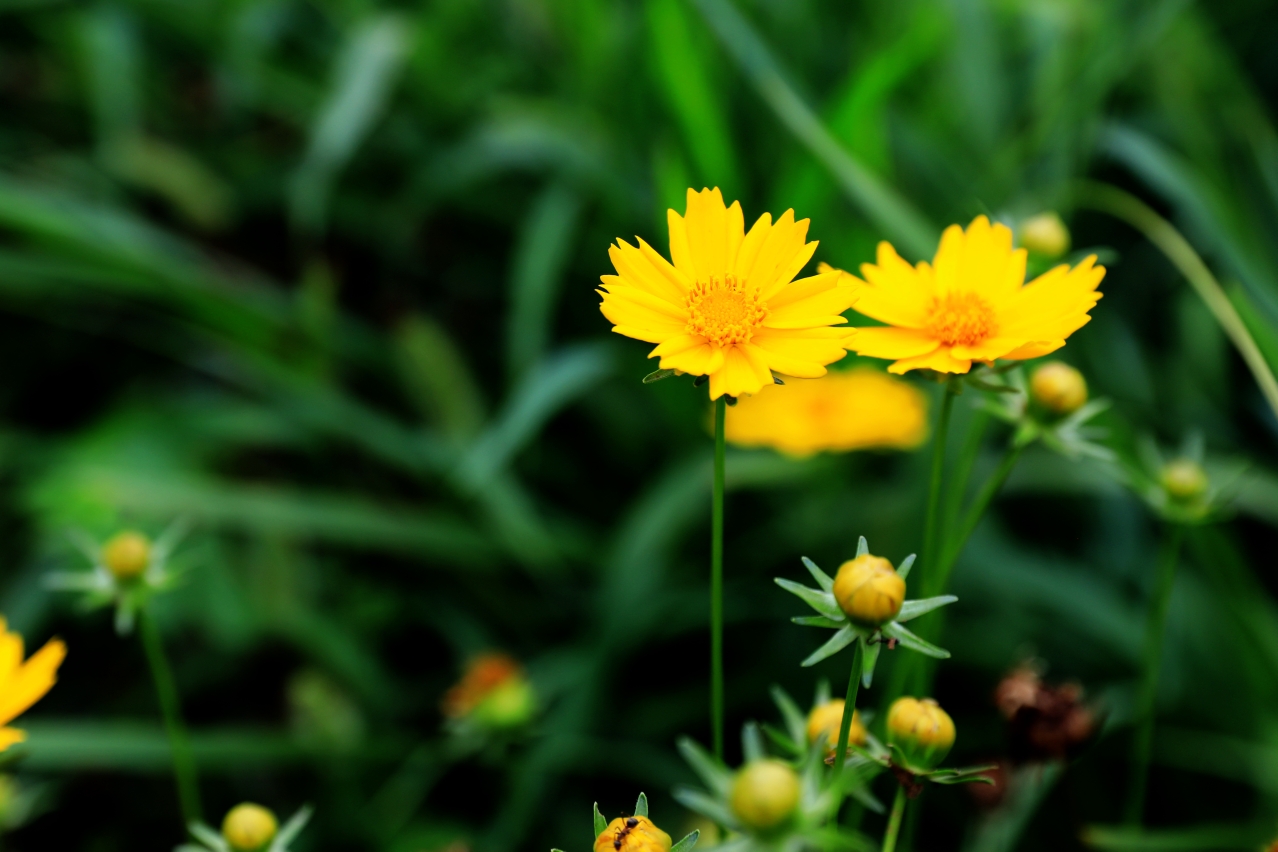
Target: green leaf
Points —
{"points": [[1248, 836], [787, 743], [822, 602], [914, 643], [752, 743], [818, 621], [707, 806], [915, 608], [689, 841], [823, 579], [289, 830], [837, 643], [710, 769], [641, 807], [795, 721], [657, 375], [541, 258], [601, 823]]}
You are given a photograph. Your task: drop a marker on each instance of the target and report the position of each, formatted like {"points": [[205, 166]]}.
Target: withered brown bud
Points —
{"points": [[1045, 722]]}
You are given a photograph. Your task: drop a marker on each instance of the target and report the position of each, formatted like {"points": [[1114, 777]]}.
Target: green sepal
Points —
{"points": [[818, 621], [824, 580], [862, 546], [869, 656], [710, 769], [903, 570], [783, 741], [914, 643], [836, 643], [657, 375], [752, 743], [915, 608], [822, 602], [641, 806], [601, 824], [704, 804], [795, 721], [689, 841]]}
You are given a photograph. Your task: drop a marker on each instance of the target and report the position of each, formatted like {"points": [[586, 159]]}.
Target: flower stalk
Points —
{"points": [[716, 581], [931, 524], [894, 821], [184, 771], [849, 708], [1155, 628]]}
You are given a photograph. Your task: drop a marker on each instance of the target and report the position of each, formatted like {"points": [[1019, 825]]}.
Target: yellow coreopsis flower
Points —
{"points": [[728, 306], [853, 410], [23, 683], [970, 304]]}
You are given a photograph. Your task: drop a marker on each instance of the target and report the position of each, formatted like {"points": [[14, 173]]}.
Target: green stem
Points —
{"points": [[930, 524], [974, 514], [961, 470], [166, 692], [849, 708], [716, 582], [894, 821], [1155, 625]]}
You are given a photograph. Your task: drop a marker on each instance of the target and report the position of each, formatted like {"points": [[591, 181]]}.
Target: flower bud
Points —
{"points": [[1184, 479], [127, 554], [1058, 387], [921, 730], [764, 793], [632, 834], [249, 827], [826, 718], [1045, 234], [508, 705], [868, 591]]}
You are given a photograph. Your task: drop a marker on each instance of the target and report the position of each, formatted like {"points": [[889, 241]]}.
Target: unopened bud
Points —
{"points": [[127, 554], [1045, 234], [632, 834], [1184, 479], [249, 827], [1058, 387], [509, 704], [921, 730], [868, 591], [765, 793], [826, 718]]}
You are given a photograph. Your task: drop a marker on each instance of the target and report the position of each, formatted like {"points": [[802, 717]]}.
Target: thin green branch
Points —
{"points": [[166, 691], [931, 524], [716, 582], [849, 708], [894, 820]]}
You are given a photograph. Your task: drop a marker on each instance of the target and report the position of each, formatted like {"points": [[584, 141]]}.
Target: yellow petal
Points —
{"points": [[889, 342], [11, 736], [680, 253], [940, 360], [1055, 304], [635, 267], [895, 292], [639, 322], [714, 233], [10, 652], [738, 375], [32, 680], [801, 352], [700, 360], [1037, 349]]}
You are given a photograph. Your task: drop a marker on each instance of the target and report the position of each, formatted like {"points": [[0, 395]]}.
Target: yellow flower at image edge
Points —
{"points": [[728, 306], [970, 304], [632, 834], [24, 683], [846, 410]]}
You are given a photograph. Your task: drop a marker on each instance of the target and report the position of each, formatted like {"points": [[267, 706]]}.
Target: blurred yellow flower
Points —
{"points": [[970, 304], [24, 683], [853, 410], [249, 827], [728, 308], [825, 720]]}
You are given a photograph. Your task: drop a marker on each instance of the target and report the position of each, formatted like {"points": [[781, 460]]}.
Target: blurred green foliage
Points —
{"points": [[318, 277]]}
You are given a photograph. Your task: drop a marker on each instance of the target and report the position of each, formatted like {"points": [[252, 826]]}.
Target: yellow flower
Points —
{"points": [[127, 554], [846, 410], [970, 303], [632, 834], [921, 730], [248, 827], [825, 719], [1058, 387], [728, 308], [868, 591], [24, 683], [764, 793]]}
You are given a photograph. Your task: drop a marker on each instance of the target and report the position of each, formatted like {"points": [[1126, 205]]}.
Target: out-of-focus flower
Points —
{"points": [[636, 833], [970, 304], [765, 793], [825, 719], [23, 683], [1184, 479], [1044, 722], [1044, 234], [846, 410], [494, 693], [1178, 488], [1058, 387], [921, 731], [322, 714], [868, 590], [727, 307], [248, 827], [126, 571]]}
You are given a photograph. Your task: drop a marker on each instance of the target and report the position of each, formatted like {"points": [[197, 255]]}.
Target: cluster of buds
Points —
{"points": [[493, 694], [1045, 722], [824, 721], [636, 833], [1052, 406], [1178, 488], [248, 827]]}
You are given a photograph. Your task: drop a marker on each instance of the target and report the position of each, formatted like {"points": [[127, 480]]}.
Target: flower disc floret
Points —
{"points": [[825, 719], [724, 311], [868, 590], [248, 827], [764, 794], [127, 554], [921, 730], [1058, 387], [632, 834]]}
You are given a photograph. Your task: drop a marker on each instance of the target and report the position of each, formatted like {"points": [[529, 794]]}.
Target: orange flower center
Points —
{"points": [[961, 319], [724, 311]]}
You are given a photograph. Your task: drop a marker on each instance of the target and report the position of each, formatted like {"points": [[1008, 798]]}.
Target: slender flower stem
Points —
{"points": [[931, 531], [166, 692], [849, 707], [894, 821], [974, 514], [1155, 625], [716, 582]]}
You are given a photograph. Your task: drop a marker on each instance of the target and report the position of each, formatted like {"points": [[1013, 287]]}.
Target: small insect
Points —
{"points": [[623, 830]]}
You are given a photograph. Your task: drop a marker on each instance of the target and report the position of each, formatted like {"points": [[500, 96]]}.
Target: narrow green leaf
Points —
{"points": [[710, 769], [915, 608], [541, 257], [822, 602], [786, 742], [818, 621], [752, 742], [824, 580], [657, 375], [795, 721], [837, 643]]}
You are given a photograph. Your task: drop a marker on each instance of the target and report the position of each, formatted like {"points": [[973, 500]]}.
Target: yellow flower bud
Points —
{"points": [[632, 834], [868, 591], [249, 827], [921, 730], [826, 719], [1045, 234], [764, 794], [508, 705], [1184, 479], [1058, 387], [127, 554]]}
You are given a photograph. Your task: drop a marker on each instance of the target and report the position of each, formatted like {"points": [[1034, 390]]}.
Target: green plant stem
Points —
{"points": [[166, 691], [849, 708], [1169, 241], [931, 531], [1155, 625], [716, 582], [954, 547], [961, 470], [894, 820]]}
